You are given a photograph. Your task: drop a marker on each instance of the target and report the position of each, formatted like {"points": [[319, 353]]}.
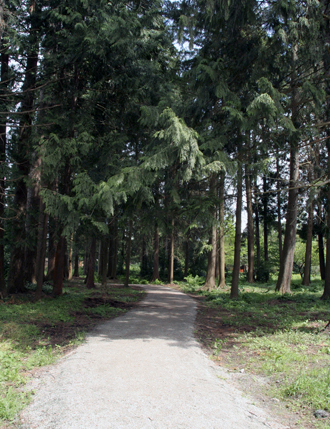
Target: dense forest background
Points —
{"points": [[141, 132]]}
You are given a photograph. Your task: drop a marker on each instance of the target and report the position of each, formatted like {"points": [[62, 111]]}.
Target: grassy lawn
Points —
{"points": [[36, 334], [282, 338]]}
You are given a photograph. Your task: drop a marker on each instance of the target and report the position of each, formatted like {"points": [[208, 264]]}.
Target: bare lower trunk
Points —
{"points": [[128, 251], [326, 291], [238, 232], [186, 256], [279, 224], [250, 278], [211, 263], [171, 254], [76, 265], [284, 278], [222, 262], [70, 275], [16, 277], [51, 249], [155, 274], [3, 143], [104, 258], [41, 253], [91, 265], [308, 253], [59, 267]]}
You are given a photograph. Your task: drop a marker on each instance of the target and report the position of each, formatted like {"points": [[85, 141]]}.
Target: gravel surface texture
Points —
{"points": [[142, 370]]}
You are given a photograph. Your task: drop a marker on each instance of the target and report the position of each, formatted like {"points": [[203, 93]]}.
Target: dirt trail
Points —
{"points": [[142, 370]]}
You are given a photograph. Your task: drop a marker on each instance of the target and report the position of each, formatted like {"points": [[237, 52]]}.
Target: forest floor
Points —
{"points": [[221, 340], [276, 348], [159, 377]]}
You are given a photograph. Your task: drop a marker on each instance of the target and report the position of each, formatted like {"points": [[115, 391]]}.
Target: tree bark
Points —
{"points": [[16, 277], [128, 252], [283, 284], [250, 278], [103, 260], [155, 274], [41, 248], [76, 265], [279, 202], [222, 262], [3, 144], [70, 275], [91, 265], [238, 232], [211, 263], [171, 254], [308, 253], [59, 267], [186, 256], [265, 214], [51, 249]]}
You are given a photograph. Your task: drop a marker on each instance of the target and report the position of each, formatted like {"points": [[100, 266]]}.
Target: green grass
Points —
{"points": [[280, 337], [30, 333]]}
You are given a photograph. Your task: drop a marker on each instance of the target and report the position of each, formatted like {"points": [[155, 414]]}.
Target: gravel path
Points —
{"points": [[142, 370]]}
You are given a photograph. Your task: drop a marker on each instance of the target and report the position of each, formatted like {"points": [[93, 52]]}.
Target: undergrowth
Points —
{"points": [[282, 337], [30, 333]]}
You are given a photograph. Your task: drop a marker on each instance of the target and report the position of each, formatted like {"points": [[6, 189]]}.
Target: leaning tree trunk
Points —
{"points": [[238, 232], [222, 262], [155, 274], [3, 143], [128, 252], [211, 264], [250, 278], [91, 265]]}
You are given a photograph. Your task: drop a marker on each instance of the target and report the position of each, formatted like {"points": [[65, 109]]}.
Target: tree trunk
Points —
{"points": [[144, 257], [320, 241], [211, 263], [308, 252], [103, 260], [21, 155], [250, 278], [256, 214], [155, 274], [238, 232], [326, 291], [76, 265], [171, 254], [59, 267], [186, 256], [41, 246], [265, 214], [279, 202], [283, 284], [91, 265], [222, 262], [3, 143], [51, 249], [128, 252], [70, 275]]}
